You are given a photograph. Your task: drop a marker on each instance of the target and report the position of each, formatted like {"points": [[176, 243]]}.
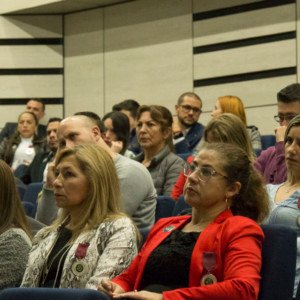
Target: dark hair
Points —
{"points": [[38, 100], [252, 200], [188, 94], [290, 93], [161, 115], [129, 104], [94, 117], [121, 127], [54, 119]]}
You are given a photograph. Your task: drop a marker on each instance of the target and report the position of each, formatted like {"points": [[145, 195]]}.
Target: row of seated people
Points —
{"points": [[92, 241]]}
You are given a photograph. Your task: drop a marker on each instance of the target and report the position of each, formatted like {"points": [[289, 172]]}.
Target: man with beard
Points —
{"points": [[187, 132]]}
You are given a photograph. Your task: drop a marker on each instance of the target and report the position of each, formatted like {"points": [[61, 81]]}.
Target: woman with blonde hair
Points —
{"points": [[225, 128], [91, 238], [234, 105], [15, 235]]}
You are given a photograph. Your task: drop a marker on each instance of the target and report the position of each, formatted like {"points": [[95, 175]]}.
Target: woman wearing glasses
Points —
{"points": [[215, 253], [226, 128], [154, 133], [285, 197]]}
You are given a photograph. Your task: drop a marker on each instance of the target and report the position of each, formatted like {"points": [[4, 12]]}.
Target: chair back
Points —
{"points": [[279, 252], [51, 294], [31, 195], [267, 141], [164, 207], [180, 206]]}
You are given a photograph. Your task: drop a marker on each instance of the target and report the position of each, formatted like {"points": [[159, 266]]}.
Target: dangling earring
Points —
{"points": [[227, 202]]}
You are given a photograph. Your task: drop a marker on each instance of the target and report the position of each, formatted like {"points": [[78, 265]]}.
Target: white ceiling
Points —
{"points": [[53, 6]]}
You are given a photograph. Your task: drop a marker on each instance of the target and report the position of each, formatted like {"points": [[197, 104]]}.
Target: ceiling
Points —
{"points": [[53, 6]]}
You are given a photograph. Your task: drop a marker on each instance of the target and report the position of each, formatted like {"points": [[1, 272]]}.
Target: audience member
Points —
{"points": [[187, 132], [130, 107], [35, 106], [91, 239], [271, 161], [215, 253], [154, 132], [15, 235], [138, 194], [19, 150], [38, 168], [225, 128], [117, 132], [234, 105], [285, 197]]}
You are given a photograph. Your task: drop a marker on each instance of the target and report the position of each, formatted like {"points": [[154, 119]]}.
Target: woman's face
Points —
{"points": [[26, 125], [210, 194], [292, 150], [149, 132], [110, 135], [71, 185], [217, 111]]}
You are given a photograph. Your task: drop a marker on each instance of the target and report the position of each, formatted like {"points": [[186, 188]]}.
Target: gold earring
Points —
{"points": [[227, 202]]}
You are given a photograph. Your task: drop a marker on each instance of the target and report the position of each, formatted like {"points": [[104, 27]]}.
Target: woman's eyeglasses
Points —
{"points": [[204, 173]]}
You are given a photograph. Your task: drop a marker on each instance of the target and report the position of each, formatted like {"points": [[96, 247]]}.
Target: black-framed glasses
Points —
{"points": [[204, 173], [188, 108], [281, 118]]}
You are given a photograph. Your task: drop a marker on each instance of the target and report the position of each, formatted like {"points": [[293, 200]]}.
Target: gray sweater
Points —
{"points": [[14, 249]]}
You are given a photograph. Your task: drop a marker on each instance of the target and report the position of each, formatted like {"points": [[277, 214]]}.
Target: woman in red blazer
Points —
{"points": [[216, 252]]}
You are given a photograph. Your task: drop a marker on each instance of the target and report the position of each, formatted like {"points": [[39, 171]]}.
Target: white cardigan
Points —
{"points": [[112, 247]]}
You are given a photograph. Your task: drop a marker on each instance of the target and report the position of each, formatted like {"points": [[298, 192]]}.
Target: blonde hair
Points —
{"points": [[228, 128], [12, 213], [233, 105], [103, 199]]}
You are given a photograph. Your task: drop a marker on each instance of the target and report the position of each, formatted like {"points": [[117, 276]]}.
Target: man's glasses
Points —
{"points": [[204, 173], [188, 108], [281, 118]]}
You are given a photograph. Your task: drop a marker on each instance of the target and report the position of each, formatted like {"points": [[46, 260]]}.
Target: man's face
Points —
{"points": [[188, 112], [286, 111], [36, 108], [52, 140], [75, 131]]}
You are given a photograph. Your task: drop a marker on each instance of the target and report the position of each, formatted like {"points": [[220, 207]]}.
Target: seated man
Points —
{"points": [[137, 189], [187, 132], [38, 168], [35, 106], [271, 162]]}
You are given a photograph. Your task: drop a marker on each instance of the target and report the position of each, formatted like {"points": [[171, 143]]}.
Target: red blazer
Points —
{"points": [[235, 240]]}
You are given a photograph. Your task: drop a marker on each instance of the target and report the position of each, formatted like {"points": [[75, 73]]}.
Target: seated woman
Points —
{"points": [[117, 132], [234, 105], [226, 128], [154, 133], [19, 150], [215, 252], [15, 235], [285, 197], [91, 239]]}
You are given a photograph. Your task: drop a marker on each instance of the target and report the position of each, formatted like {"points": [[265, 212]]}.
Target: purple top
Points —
{"points": [[271, 164]]}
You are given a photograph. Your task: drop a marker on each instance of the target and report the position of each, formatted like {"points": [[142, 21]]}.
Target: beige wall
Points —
{"points": [[144, 50]]}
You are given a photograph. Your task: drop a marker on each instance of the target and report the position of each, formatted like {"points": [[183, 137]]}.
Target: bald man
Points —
{"points": [[138, 194]]}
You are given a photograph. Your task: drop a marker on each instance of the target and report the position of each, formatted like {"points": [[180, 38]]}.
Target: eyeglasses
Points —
{"points": [[281, 118], [188, 108], [204, 173]]}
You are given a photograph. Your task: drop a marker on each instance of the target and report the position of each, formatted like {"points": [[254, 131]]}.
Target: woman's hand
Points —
{"points": [[142, 295], [110, 288]]}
